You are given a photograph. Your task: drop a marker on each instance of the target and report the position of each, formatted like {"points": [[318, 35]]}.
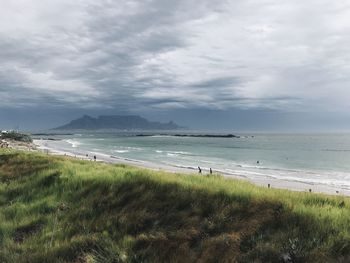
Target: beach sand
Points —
{"points": [[45, 146]]}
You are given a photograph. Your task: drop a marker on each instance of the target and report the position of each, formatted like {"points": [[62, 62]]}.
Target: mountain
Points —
{"points": [[128, 122]]}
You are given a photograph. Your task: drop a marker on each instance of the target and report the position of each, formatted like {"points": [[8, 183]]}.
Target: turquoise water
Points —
{"points": [[310, 158]]}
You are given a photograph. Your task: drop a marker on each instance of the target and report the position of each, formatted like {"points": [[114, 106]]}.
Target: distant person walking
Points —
{"points": [[211, 171], [199, 170], [95, 158]]}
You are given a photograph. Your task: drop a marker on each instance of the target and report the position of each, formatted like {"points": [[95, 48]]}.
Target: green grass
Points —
{"points": [[56, 209]]}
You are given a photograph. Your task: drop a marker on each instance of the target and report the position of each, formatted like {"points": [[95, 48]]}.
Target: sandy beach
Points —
{"points": [[46, 146]]}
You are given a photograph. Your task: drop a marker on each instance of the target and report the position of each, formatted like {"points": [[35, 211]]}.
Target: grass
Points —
{"points": [[59, 209]]}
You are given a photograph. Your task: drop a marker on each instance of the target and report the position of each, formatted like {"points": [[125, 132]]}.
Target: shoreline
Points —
{"points": [[43, 145]]}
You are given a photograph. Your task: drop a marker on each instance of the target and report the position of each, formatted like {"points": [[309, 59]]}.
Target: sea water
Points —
{"points": [[310, 158]]}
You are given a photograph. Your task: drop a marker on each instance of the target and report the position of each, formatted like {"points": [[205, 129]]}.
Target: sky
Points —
{"points": [[244, 64]]}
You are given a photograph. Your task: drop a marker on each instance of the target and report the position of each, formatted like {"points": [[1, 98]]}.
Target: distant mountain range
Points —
{"points": [[120, 122]]}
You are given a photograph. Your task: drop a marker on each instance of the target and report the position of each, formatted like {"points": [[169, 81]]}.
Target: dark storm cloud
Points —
{"points": [[175, 54]]}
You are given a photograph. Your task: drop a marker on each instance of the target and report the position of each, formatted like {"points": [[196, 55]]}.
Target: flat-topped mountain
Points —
{"points": [[121, 122]]}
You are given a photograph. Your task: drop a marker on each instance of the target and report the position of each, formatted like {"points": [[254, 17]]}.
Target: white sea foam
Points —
{"points": [[73, 142], [180, 152], [120, 151], [162, 136], [174, 153], [128, 148]]}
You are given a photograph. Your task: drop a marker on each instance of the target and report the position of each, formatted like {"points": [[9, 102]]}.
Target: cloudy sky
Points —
{"points": [[205, 61]]}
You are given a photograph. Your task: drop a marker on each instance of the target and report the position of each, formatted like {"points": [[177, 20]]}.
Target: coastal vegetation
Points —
{"points": [[16, 136], [60, 209], [191, 135]]}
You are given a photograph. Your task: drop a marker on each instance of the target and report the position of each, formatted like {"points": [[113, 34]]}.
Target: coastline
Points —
{"points": [[105, 205], [44, 146]]}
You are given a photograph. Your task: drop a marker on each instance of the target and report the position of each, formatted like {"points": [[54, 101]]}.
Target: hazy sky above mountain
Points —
{"points": [[176, 59]]}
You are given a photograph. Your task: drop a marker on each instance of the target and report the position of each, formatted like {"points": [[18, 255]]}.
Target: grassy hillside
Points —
{"points": [[55, 209]]}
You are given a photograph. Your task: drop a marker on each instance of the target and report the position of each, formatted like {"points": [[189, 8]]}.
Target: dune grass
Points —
{"points": [[59, 209]]}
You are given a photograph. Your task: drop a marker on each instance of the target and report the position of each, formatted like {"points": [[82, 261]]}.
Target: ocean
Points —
{"points": [[309, 158]]}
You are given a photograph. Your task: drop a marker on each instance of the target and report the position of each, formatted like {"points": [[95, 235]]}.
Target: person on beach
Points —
{"points": [[211, 171], [199, 170]]}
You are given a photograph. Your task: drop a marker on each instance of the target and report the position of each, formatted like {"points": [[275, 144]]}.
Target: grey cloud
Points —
{"points": [[218, 82], [176, 54]]}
